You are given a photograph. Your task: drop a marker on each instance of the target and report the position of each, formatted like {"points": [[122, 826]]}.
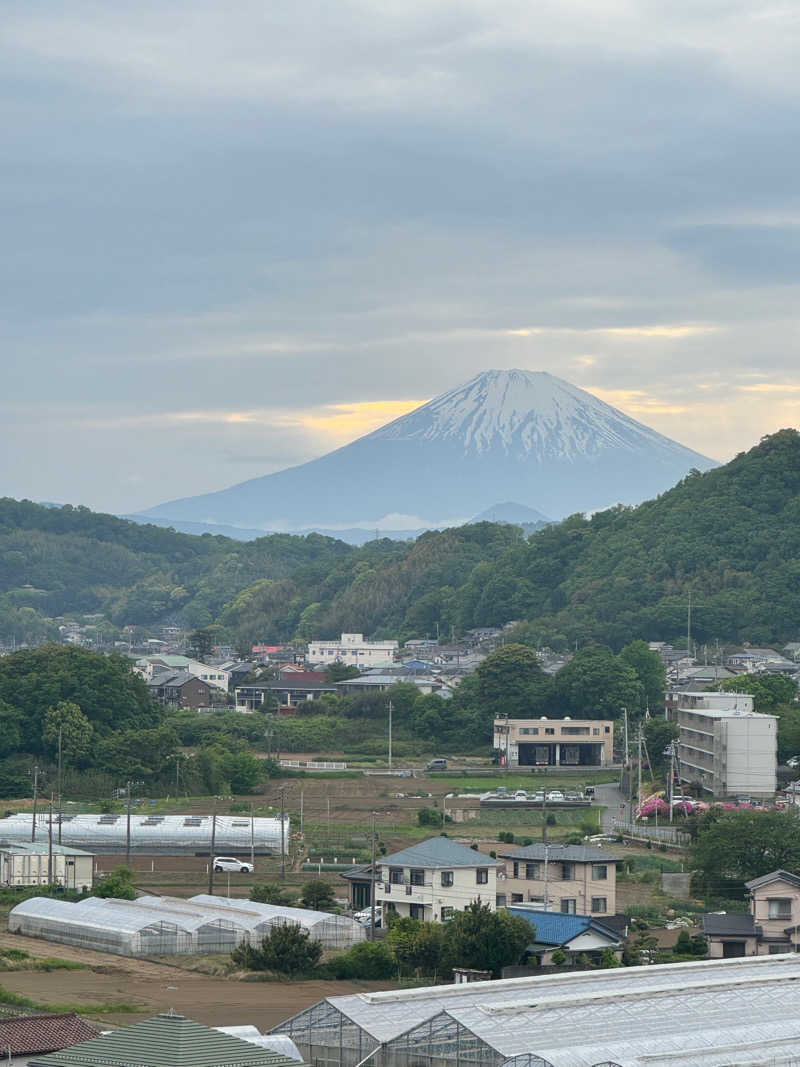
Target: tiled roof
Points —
{"points": [[28, 1034], [439, 852], [560, 854], [722, 924], [773, 876], [553, 928], [165, 1041]]}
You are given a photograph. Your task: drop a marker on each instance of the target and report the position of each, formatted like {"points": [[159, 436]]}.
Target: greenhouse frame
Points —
{"points": [[166, 926], [169, 835], [334, 931], [707, 1013]]}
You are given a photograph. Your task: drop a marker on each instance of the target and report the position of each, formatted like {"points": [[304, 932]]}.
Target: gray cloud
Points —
{"points": [[280, 208]]}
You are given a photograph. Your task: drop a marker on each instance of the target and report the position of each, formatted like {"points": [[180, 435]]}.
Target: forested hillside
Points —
{"points": [[730, 536]]}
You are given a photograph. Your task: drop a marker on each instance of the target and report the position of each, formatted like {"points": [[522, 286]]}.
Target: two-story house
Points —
{"points": [[772, 926], [572, 879], [434, 879]]}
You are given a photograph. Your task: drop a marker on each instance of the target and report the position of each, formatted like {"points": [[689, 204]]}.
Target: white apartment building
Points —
{"points": [[434, 879], [724, 746], [354, 650]]}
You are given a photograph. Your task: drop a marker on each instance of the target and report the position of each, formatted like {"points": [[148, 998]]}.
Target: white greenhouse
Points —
{"points": [[334, 931], [166, 926], [709, 1013], [170, 835]]}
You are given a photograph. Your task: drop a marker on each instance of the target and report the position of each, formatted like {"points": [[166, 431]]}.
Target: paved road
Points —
{"points": [[616, 807]]}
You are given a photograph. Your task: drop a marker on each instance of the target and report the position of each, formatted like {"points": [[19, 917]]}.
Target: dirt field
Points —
{"points": [[156, 987]]}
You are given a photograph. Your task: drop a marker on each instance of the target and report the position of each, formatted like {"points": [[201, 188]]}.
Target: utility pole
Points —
{"points": [[372, 886], [50, 843], [544, 816], [671, 785], [639, 762], [35, 799], [252, 839], [213, 848], [301, 811], [283, 834], [390, 734], [128, 824], [60, 804], [546, 861], [689, 626]]}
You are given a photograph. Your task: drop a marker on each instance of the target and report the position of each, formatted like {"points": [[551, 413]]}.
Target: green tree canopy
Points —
{"points": [[67, 721], [650, 670], [487, 940], [596, 684], [737, 846], [511, 682], [287, 949]]}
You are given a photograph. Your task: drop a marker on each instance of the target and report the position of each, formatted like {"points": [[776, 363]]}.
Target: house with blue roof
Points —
{"points": [[433, 879], [575, 935]]}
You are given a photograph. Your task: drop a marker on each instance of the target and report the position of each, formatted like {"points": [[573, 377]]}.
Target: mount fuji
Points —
{"points": [[506, 435]]}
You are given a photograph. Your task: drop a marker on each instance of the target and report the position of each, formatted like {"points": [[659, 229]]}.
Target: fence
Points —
{"points": [[663, 835], [313, 765]]}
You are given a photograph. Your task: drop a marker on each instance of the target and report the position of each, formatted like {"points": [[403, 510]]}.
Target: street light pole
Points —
{"points": [[372, 885], [390, 735]]}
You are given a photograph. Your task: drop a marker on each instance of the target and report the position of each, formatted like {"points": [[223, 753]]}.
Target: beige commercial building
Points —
{"points": [[554, 742], [571, 879], [725, 747], [28, 863]]}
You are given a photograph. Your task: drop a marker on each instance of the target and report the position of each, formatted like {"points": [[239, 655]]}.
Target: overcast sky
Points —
{"points": [[238, 235]]}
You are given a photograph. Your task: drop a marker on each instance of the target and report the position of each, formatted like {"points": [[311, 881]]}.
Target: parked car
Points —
{"points": [[555, 795], [589, 792], [573, 796], [678, 798], [538, 796], [520, 795], [437, 765], [230, 863], [365, 917], [793, 762]]}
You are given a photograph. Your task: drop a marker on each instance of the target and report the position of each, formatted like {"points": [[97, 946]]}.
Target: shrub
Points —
{"points": [[559, 957], [287, 950], [368, 960], [118, 884], [428, 817], [269, 893], [317, 895]]}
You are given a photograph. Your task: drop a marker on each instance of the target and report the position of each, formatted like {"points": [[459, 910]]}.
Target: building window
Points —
{"points": [[780, 908], [599, 872], [416, 911], [417, 876], [447, 914], [396, 875], [567, 905], [596, 732], [389, 904], [517, 898], [532, 871], [567, 872], [482, 875], [549, 730], [516, 869], [600, 904], [774, 950], [447, 878]]}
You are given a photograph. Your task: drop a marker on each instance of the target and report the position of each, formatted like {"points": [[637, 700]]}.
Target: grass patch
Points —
{"points": [[483, 782], [16, 1001]]}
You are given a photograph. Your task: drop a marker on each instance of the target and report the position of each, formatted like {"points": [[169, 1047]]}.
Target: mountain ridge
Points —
{"points": [[516, 435]]}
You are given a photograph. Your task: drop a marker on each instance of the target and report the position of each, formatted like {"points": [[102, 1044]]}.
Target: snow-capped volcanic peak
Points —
{"points": [[523, 413]]}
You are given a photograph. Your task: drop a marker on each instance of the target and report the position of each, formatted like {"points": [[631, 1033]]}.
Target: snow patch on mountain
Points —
{"points": [[524, 413]]}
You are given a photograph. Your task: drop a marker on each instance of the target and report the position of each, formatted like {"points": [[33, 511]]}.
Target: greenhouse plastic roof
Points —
{"points": [[509, 1014], [119, 915], [303, 916]]}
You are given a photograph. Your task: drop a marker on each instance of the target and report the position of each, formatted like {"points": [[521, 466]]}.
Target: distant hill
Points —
{"points": [[504, 435], [730, 535]]}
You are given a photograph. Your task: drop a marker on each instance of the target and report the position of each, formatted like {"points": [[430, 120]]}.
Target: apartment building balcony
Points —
{"points": [[411, 892]]}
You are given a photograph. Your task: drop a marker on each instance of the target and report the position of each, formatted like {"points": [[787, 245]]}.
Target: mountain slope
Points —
{"points": [[513, 435]]}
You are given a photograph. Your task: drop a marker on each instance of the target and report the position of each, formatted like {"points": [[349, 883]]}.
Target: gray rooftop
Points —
{"points": [[439, 852], [773, 876], [560, 854], [728, 924]]}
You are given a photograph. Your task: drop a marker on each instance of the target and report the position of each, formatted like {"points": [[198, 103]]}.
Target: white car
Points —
{"points": [[520, 795], [555, 794], [365, 917], [230, 863]]}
